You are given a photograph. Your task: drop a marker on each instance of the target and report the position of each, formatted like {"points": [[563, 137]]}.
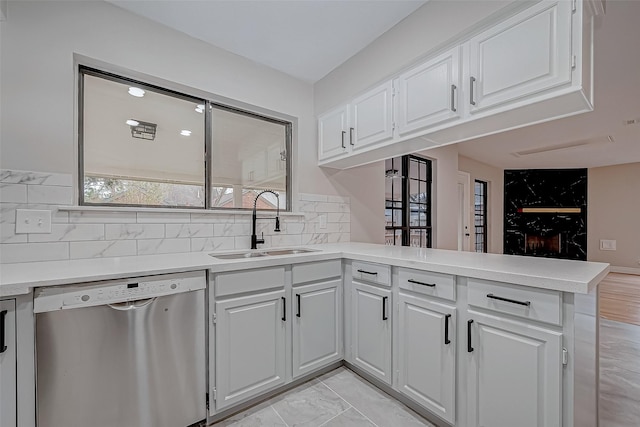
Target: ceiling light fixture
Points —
{"points": [[200, 108], [136, 91], [132, 122], [591, 142], [185, 132]]}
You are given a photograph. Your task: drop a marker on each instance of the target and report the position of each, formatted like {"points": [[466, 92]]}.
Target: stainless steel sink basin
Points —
{"points": [[272, 252]]}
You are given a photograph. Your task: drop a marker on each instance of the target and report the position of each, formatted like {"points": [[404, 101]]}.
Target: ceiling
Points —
{"points": [[304, 38], [309, 38]]}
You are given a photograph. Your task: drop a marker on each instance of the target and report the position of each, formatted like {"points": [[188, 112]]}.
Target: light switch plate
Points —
{"points": [[322, 221], [607, 245], [33, 221]]}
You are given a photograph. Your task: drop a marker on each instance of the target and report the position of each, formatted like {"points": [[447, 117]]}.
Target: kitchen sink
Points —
{"points": [[272, 252]]}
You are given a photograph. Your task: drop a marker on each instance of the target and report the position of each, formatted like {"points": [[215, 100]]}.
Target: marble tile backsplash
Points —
{"points": [[105, 233]]}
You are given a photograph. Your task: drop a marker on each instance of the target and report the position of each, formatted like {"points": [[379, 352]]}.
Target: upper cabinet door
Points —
{"points": [[333, 128], [372, 117], [524, 55], [428, 94]]}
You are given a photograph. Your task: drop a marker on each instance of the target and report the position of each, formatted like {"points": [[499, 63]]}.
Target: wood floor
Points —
{"points": [[620, 298]]}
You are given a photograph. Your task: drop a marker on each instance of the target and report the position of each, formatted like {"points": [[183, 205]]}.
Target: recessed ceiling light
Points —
{"points": [[136, 91], [132, 122], [200, 108], [185, 132]]}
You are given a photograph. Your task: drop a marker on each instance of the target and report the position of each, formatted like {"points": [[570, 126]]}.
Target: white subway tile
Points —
{"points": [[308, 197], [294, 227], [222, 243], [212, 218], [22, 177], [8, 234], [50, 194], [8, 212], [163, 246], [338, 199], [339, 237], [314, 238], [232, 229], [102, 249], [339, 217], [134, 231], [59, 179], [105, 217], [70, 232], [33, 252], [244, 242], [189, 230], [309, 206], [333, 207], [163, 218], [279, 240], [13, 193]]}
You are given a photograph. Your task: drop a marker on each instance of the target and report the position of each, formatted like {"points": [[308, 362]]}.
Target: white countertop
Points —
{"points": [[562, 275]]}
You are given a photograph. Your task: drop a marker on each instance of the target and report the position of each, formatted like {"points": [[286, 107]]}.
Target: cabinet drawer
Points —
{"points": [[428, 283], [370, 272], [237, 282], [312, 271], [543, 305]]}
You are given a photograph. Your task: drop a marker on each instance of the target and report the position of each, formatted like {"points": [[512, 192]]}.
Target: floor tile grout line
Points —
{"points": [[349, 403], [279, 416], [337, 415]]}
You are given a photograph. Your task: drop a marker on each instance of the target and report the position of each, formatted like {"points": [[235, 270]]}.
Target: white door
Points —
{"points": [[428, 94], [317, 330], [371, 330], [250, 346], [524, 55], [464, 232], [332, 133], [515, 374], [372, 117], [8, 364], [426, 352]]}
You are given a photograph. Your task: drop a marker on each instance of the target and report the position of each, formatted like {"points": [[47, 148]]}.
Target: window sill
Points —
{"points": [[172, 210]]}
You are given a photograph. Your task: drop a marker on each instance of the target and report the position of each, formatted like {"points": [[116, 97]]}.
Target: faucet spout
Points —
{"points": [[254, 238]]}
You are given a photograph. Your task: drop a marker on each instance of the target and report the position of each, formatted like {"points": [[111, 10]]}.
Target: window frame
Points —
{"points": [[209, 104]]}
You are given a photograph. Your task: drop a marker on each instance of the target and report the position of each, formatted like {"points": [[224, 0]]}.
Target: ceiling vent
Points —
{"points": [[557, 147]]}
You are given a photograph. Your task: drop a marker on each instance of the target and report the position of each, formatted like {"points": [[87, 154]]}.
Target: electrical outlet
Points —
{"points": [[607, 245], [33, 221], [322, 221]]}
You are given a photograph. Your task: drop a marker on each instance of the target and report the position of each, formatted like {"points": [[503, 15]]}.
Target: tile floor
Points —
{"points": [[338, 398]]}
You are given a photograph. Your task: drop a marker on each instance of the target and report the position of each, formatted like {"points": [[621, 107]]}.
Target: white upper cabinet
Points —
{"points": [[428, 94], [372, 117], [332, 133], [524, 55]]}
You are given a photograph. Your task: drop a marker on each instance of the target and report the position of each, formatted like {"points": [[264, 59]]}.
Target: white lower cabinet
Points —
{"points": [[317, 330], [514, 373], [426, 354], [371, 330], [8, 384], [250, 346]]}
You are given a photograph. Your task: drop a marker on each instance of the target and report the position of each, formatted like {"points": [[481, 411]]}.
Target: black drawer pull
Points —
{"points": [[375, 273], [431, 285], [299, 308], [469, 346], [384, 308], [3, 345], [512, 301], [446, 329], [284, 309]]}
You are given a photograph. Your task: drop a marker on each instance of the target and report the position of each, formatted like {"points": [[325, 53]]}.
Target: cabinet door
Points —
{"points": [[428, 94], [515, 374], [371, 330], [317, 329], [250, 346], [333, 129], [372, 117], [8, 384], [522, 56], [426, 352]]}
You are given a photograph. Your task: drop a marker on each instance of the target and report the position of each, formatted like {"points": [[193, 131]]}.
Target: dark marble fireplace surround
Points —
{"points": [[548, 233]]}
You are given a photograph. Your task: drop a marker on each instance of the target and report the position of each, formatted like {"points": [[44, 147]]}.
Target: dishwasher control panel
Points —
{"points": [[116, 291]]}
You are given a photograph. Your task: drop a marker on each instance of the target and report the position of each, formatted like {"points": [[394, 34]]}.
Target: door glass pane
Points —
{"points": [[140, 146]]}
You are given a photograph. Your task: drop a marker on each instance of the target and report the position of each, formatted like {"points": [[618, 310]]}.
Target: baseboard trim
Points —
{"points": [[625, 270]]}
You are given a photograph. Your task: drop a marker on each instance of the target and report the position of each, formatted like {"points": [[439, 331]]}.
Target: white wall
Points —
{"points": [[495, 200]]}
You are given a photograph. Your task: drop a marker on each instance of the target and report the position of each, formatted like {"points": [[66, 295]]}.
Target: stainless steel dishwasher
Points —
{"points": [[122, 353]]}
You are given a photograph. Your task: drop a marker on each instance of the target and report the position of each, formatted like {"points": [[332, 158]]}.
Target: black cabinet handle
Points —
{"points": [[431, 285], [299, 309], [446, 329], [469, 347], [375, 273], [512, 301], [384, 308], [351, 136], [343, 134], [284, 309], [3, 316]]}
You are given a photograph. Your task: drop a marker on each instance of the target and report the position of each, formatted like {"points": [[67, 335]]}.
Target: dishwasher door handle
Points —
{"points": [[132, 305]]}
